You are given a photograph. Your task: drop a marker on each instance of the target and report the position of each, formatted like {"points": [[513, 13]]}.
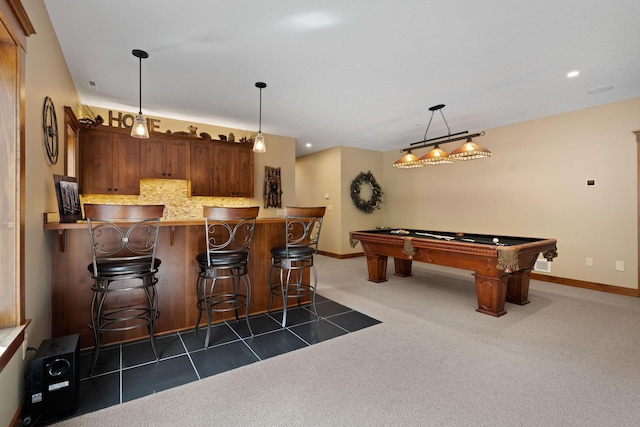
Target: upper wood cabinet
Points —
{"points": [[223, 169], [112, 162], [201, 173], [234, 170], [109, 162], [164, 158]]}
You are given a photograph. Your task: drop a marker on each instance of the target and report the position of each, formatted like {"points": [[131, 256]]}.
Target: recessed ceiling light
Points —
{"points": [[308, 145], [573, 74], [600, 89]]}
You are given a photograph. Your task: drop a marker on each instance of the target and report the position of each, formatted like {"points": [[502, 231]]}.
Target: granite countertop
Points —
{"points": [[169, 223]]}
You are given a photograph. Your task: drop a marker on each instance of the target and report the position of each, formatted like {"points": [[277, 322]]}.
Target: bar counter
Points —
{"points": [[179, 242]]}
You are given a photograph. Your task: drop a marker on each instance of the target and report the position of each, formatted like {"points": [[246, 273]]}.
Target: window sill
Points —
{"points": [[10, 341]]}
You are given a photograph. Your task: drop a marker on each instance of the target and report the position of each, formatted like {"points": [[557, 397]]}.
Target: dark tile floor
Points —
{"points": [[128, 371]]}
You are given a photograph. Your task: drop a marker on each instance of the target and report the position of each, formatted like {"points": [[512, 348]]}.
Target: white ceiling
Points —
{"points": [[358, 73]]}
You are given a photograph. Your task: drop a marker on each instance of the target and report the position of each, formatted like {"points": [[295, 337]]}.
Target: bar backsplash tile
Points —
{"points": [[173, 193]]}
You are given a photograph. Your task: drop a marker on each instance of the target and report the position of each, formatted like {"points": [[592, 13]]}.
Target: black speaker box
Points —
{"points": [[55, 379]]}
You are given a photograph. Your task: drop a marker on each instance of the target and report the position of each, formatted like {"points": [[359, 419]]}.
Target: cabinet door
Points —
{"points": [[233, 171], [244, 172], [96, 161], [201, 168], [177, 153], [126, 164], [153, 159], [164, 158], [224, 176], [109, 162]]}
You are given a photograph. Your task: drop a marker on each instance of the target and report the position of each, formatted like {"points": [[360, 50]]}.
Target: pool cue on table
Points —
{"points": [[436, 236]]}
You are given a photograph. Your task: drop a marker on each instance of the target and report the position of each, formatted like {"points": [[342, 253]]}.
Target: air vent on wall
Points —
{"points": [[542, 265]]}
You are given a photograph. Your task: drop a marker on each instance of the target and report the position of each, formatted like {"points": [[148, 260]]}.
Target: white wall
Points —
{"points": [[330, 172], [354, 162], [311, 191]]}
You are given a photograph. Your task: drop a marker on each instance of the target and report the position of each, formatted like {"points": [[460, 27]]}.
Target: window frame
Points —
{"points": [[15, 27]]}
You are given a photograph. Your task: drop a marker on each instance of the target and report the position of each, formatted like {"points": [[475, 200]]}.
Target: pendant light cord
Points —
{"points": [[433, 110], [140, 85], [260, 114], [445, 122]]}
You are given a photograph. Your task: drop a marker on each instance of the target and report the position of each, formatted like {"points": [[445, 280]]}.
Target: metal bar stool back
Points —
{"points": [[223, 266], [123, 241], [295, 258]]}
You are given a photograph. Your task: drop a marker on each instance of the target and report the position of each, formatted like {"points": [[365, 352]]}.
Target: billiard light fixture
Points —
{"points": [[259, 145], [468, 151], [139, 128]]}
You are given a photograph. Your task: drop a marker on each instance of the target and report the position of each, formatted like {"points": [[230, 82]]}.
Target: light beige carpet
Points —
{"points": [[569, 358]]}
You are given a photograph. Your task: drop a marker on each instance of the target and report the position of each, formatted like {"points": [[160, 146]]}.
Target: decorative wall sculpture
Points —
{"points": [[272, 188]]}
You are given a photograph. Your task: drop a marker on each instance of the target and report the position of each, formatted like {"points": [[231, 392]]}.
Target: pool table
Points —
{"points": [[501, 264]]}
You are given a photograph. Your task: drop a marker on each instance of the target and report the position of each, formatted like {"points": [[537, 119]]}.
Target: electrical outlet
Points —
{"points": [[619, 265], [25, 345], [589, 262]]}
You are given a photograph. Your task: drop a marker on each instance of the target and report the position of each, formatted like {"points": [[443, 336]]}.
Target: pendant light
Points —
{"points": [[437, 156], [139, 128], [469, 151], [259, 145], [407, 161]]}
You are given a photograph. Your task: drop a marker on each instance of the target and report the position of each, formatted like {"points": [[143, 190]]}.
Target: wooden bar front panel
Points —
{"points": [[71, 288]]}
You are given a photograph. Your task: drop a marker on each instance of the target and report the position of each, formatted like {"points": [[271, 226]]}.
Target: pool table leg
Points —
{"points": [[403, 267], [377, 267], [491, 293], [518, 287]]}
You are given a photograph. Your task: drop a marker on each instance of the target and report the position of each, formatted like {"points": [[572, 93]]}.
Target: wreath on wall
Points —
{"points": [[373, 203]]}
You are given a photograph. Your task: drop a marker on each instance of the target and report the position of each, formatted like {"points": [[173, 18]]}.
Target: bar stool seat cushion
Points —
{"points": [[219, 259], [112, 267], [294, 252]]}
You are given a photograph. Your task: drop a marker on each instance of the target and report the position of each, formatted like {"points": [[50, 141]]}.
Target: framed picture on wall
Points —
{"points": [[68, 198]]}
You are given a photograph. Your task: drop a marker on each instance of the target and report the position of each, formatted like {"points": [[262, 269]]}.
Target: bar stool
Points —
{"points": [[295, 257], [228, 234], [123, 246]]}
